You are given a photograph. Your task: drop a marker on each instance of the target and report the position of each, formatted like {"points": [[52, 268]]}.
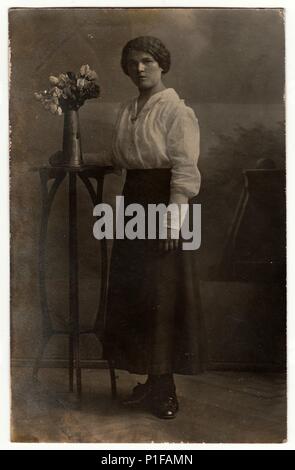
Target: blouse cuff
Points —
{"points": [[178, 198], [174, 217]]}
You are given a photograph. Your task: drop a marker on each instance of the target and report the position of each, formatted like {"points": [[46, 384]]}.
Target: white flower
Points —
{"points": [[53, 108], [53, 80], [80, 82], [84, 70], [59, 111], [63, 79], [91, 75], [56, 91]]}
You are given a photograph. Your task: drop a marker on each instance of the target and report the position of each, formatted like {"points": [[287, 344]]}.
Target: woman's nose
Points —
{"points": [[140, 67]]}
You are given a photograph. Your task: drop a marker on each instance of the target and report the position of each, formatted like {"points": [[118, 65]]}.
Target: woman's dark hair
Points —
{"points": [[152, 46]]}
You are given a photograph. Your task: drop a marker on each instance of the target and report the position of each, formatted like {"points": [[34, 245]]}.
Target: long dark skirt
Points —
{"points": [[154, 321]]}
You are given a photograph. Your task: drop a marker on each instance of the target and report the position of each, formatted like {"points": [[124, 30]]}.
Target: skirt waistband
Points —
{"points": [[146, 172], [148, 185]]}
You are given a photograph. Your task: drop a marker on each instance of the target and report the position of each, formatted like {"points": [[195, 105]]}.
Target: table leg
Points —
{"points": [[96, 197], [47, 200], [71, 362], [74, 284]]}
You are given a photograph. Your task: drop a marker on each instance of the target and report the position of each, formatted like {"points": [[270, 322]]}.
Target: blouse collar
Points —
{"points": [[167, 94]]}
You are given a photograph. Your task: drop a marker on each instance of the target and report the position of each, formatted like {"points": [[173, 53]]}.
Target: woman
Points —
{"points": [[153, 323]]}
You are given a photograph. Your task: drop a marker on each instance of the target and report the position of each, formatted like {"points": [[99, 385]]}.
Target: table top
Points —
{"points": [[76, 169], [93, 162]]}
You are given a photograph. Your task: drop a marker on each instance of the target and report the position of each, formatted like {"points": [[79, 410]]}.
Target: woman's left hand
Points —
{"points": [[169, 244]]}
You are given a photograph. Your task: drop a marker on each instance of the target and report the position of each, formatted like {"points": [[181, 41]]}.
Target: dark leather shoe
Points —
{"points": [[140, 394], [165, 406]]}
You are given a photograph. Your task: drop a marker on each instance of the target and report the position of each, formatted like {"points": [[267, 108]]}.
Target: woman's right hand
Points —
{"points": [[171, 242]]}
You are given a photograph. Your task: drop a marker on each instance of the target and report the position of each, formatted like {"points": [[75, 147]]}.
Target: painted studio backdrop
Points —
{"points": [[228, 65]]}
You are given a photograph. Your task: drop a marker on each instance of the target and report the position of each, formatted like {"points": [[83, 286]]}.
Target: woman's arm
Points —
{"points": [[183, 146], [183, 142]]}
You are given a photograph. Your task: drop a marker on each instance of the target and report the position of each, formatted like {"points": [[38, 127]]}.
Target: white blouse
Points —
{"points": [[164, 134]]}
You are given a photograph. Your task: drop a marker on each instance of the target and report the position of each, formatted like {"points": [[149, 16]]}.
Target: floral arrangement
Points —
{"points": [[69, 91]]}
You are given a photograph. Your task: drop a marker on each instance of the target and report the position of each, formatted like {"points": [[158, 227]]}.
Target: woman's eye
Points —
{"points": [[133, 64]]}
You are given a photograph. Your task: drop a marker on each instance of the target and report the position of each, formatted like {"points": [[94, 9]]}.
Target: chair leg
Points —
{"points": [[39, 358], [113, 380]]}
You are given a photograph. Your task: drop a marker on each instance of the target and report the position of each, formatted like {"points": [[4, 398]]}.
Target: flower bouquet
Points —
{"points": [[68, 92]]}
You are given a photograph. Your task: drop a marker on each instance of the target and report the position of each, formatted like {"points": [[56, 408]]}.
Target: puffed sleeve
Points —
{"points": [[183, 144]]}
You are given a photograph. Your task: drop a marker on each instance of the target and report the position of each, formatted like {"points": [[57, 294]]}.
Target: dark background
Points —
{"points": [[228, 65]]}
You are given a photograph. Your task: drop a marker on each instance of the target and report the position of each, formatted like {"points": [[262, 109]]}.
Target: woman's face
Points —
{"points": [[143, 69]]}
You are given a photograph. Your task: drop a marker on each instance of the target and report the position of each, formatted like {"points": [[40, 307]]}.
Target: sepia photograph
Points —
{"points": [[147, 225]]}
